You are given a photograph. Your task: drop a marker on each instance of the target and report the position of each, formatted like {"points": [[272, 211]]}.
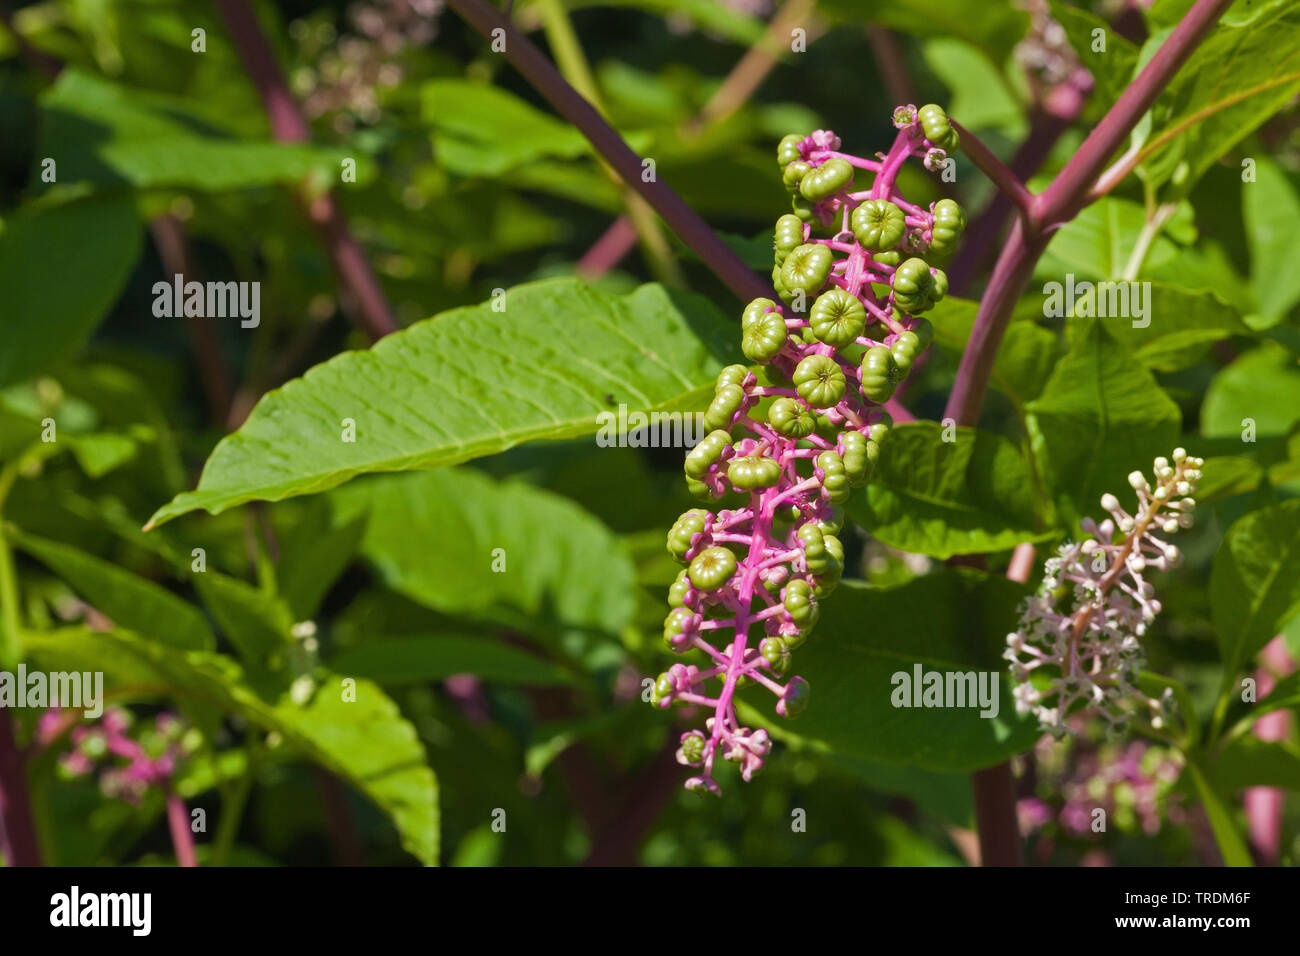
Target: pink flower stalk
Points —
{"points": [[1084, 624], [765, 564]]}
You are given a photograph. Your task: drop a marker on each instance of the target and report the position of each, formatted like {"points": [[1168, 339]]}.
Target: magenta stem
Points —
{"points": [[16, 822], [178, 821]]}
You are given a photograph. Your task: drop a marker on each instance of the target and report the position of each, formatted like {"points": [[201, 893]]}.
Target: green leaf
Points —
{"points": [[1255, 583], [110, 135], [1101, 416], [1246, 71], [418, 660], [366, 741], [1231, 846], [1251, 762], [128, 600], [1025, 357], [312, 556], [953, 621], [54, 300], [470, 382], [971, 495], [506, 551], [1262, 385], [1097, 243], [1165, 327], [1271, 209], [480, 130], [258, 624], [980, 99]]}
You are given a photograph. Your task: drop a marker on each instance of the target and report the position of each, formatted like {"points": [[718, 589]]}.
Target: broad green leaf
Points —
{"points": [[257, 623], [480, 130], [366, 741], [980, 99], [1251, 762], [1271, 209], [17, 433], [418, 660], [1255, 583], [61, 268], [128, 600], [110, 135], [1165, 327], [1243, 73], [1025, 357], [464, 544], [1098, 242], [969, 495], [1259, 390], [951, 621], [1100, 417], [1225, 476], [1231, 845], [312, 556], [467, 383]]}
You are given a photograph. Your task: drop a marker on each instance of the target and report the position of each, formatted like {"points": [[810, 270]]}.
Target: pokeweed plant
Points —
{"points": [[851, 271], [533, 580]]}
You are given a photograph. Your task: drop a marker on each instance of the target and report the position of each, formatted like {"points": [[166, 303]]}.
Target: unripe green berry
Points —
{"points": [[949, 223], [763, 331], [879, 374], [835, 482], [935, 126], [826, 180], [751, 472], [723, 409], [878, 225], [820, 381], [807, 268], [790, 418], [787, 151], [707, 453], [837, 318], [712, 568]]}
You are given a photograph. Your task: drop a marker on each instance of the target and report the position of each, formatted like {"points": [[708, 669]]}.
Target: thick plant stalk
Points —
{"points": [[1060, 203], [16, 822], [569, 103], [373, 312]]}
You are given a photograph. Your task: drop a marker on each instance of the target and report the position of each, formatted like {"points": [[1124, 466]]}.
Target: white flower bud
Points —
{"points": [[1109, 502], [1161, 463], [1183, 488], [1126, 524], [1185, 521], [1180, 454], [1161, 493], [1138, 481], [1171, 525]]}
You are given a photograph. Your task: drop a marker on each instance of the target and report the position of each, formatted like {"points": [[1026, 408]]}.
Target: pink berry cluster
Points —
{"points": [[1081, 630], [146, 759], [792, 437]]}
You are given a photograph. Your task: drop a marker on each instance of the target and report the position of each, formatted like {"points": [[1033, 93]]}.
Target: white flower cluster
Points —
{"points": [[1084, 624]]}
